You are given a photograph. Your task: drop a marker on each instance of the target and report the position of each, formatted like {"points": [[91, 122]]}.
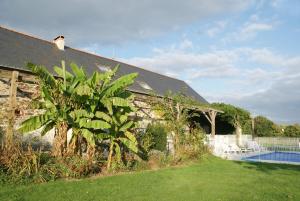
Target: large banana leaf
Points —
{"points": [[107, 76], [78, 72], [50, 125], [34, 123], [76, 114], [60, 72], [84, 90], [131, 137], [129, 144], [46, 93], [123, 118], [89, 136], [117, 101], [103, 116], [43, 74], [126, 126], [93, 124], [120, 83], [108, 105]]}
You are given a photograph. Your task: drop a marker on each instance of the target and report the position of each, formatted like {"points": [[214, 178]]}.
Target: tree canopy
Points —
{"points": [[292, 130], [264, 127], [235, 116]]}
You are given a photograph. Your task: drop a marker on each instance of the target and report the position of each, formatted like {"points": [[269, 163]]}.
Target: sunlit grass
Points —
{"points": [[210, 179]]}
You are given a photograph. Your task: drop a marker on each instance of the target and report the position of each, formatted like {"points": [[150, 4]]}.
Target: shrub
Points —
{"points": [[72, 167], [193, 145], [157, 134], [22, 166]]}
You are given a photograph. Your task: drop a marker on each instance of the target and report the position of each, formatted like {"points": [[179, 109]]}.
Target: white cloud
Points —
{"points": [[109, 22], [271, 91], [170, 61], [216, 28], [186, 44], [250, 29]]}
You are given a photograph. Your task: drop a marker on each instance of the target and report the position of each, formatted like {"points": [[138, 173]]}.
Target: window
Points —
{"points": [[103, 68], [144, 85]]}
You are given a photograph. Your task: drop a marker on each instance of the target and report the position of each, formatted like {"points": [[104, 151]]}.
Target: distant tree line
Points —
{"points": [[240, 118], [264, 127]]}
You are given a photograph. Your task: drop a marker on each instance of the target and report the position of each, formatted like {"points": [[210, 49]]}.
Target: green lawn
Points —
{"points": [[211, 179]]}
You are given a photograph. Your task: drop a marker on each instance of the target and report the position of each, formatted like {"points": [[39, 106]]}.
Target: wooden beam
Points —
{"points": [[11, 109], [212, 115], [207, 117]]}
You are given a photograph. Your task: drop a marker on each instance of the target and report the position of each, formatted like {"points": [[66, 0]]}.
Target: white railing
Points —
{"points": [[266, 149]]}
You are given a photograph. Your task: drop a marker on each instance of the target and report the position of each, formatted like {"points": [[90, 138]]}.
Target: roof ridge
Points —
{"points": [[86, 52], [26, 34]]}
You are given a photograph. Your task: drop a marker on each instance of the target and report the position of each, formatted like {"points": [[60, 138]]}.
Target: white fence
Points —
{"points": [[279, 143], [229, 139], [285, 149]]}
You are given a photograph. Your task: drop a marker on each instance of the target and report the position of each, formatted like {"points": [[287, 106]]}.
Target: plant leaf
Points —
{"points": [[34, 123], [129, 144], [95, 124], [49, 126], [103, 116], [89, 136], [126, 126]]}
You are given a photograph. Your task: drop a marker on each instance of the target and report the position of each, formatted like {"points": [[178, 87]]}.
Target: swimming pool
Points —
{"points": [[283, 157]]}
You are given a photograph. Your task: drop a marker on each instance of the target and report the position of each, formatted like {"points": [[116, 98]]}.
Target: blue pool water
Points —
{"points": [[276, 156]]}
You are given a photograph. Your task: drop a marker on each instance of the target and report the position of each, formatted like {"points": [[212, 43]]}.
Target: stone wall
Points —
{"points": [[28, 89]]}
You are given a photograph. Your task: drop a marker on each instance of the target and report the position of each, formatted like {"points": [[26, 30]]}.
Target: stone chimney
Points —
{"points": [[60, 42]]}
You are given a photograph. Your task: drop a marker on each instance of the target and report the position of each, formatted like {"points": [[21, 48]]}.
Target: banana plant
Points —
{"points": [[106, 114], [95, 107], [55, 106]]}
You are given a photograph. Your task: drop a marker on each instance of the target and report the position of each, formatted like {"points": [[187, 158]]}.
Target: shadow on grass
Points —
{"points": [[268, 167]]}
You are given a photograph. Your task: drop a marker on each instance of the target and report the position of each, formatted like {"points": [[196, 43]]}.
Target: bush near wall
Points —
{"points": [[158, 134]]}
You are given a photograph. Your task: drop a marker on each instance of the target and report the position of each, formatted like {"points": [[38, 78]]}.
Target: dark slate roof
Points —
{"points": [[17, 49]]}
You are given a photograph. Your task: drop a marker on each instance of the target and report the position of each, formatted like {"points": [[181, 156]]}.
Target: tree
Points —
{"points": [[55, 104], [292, 131], [264, 127], [105, 112], [239, 118]]}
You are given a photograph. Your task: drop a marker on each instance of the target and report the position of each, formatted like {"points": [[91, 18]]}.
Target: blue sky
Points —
{"points": [[241, 52]]}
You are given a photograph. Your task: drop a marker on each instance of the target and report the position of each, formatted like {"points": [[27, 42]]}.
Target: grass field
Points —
{"points": [[210, 179]]}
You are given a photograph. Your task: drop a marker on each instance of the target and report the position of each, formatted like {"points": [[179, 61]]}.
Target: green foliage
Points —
{"points": [[292, 131], [177, 112], [73, 167], [95, 107], [264, 127], [247, 128], [158, 135], [236, 116], [172, 108], [193, 146]]}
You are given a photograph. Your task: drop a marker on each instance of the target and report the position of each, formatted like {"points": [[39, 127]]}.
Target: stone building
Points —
{"points": [[17, 49]]}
